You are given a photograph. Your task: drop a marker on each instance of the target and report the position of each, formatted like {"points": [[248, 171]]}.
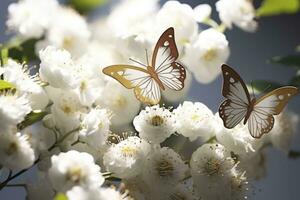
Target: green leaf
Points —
{"points": [[294, 154], [3, 55], [4, 85], [23, 51], [292, 60], [295, 81], [264, 86], [276, 7], [31, 118], [60, 196], [84, 6]]}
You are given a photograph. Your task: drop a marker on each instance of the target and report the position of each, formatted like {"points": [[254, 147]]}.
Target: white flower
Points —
{"points": [[13, 109], [212, 171], [284, 128], [40, 189], [56, 68], [126, 17], [66, 109], [30, 18], [164, 170], [202, 12], [205, 56], [26, 83], [181, 17], [237, 139], [194, 120], [154, 124], [68, 30], [126, 158], [255, 166], [15, 151], [91, 81], [173, 96], [39, 137], [74, 169], [79, 193], [238, 12], [95, 127], [121, 102]]}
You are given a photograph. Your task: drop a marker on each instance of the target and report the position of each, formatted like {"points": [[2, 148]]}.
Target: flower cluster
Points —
{"points": [[91, 139]]}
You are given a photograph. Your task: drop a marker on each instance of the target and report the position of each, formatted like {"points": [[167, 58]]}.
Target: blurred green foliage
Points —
{"points": [[276, 7], [60, 196], [32, 118], [85, 6], [4, 85]]}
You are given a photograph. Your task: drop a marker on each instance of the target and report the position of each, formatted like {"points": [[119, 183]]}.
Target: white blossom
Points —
{"points": [[165, 169], [79, 193], [206, 54], [126, 159], [214, 173], [56, 68], [91, 83], [74, 169], [15, 151], [155, 124], [194, 120], [126, 16], [68, 30], [121, 102], [13, 109], [238, 12], [26, 83], [66, 109], [181, 17], [30, 18], [202, 12], [284, 129], [95, 127], [40, 138]]}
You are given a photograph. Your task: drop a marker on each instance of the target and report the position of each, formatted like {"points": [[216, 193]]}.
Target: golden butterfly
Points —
{"points": [[258, 113], [148, 81]]}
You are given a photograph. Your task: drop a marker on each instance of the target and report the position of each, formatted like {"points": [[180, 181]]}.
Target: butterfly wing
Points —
{"points": [[145, 87], [261, 119], [171, 73], [237, 102]]}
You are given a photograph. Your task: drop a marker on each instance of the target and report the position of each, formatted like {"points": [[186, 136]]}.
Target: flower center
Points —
{"points": [[83, 86], [164, 168], [75, 174], [157, 120], [67, 43], [209, 55], [67, 109], [212, 166], [128, 151], [12, 148], [195, 117], [120, 101]]}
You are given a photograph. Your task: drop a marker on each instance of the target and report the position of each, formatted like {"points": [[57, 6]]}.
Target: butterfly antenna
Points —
{"points": [[147, 57], [137, 62], [252, 89]]}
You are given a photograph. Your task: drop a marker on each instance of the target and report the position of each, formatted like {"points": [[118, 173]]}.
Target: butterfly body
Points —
{"points": [[148, 81], [257, 113], [250, 109]]}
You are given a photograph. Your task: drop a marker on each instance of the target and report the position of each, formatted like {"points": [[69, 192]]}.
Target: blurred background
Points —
{"points": [[277, 35]]}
